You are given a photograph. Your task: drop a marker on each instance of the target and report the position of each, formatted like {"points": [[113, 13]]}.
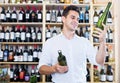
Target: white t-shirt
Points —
{"points": [[76, 51]]}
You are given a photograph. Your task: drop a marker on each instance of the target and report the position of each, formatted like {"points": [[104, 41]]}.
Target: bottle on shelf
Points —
{"points": [[27, 75], [14, 15], [39, 36], [7, 34], [86, 14], [54, 32], [81, 18], [48, 32], [81, 34], [39, 15], [1, 53], [33, 14], [86, 33], [33, 34], [28, 34], [6, 53], [109, 18], [23, 33], [102, 74], [11, 73], [27, 14], [96, 74], [16, 73], [17, 33], [30, 54], [35, 54], [12, 34], [25, 54], [95, 16], [48, 14], [109, 74], [53, 15], [8, 15], [21, 73], [21, 15], [2, 15], [59, 20], [88, 75], [2, 34], [11, 54]]}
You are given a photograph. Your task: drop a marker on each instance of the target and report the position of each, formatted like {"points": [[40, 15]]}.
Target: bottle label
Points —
{"points": [[103, 77], [27, 78], [20, 17], [14, 16], [95, 19], [35, 54], [12, 35], [15, 58], [3, 16], [39, 36], [110, 77], [2, 35], [25, 56], [109, 20], [7, 15], [30, 58], [47, 17], [110, 36], [1, 54], [27, 16], [22, 36], [59, 19], [39, 16], [11, 74], [7, 36]]}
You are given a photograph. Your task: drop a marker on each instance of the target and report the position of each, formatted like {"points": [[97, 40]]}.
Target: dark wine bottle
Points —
{"points": [[61, 59]]}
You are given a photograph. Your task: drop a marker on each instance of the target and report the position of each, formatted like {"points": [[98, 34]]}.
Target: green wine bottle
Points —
{"points": [[61, 59], [103, 17]]}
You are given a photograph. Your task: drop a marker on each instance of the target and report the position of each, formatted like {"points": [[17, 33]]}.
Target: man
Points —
{"points": [[76, 50]]}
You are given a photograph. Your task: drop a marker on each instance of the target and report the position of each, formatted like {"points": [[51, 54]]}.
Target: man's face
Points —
{"points": [[70, 22]]}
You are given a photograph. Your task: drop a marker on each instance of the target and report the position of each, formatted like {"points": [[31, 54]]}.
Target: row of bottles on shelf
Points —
{"points": [[54, 15], [47, 1], [20, 53], [35, 15], [28, 14], [20, 34], [98, 12], [106, 73], [21, 1], [34, 34], [24, 73]]}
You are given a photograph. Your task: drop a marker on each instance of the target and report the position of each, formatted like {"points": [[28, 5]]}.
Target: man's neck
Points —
{"points": [[68, 34]]}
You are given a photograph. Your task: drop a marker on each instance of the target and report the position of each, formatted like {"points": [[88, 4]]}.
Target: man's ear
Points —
{"points": [[63, 19]]}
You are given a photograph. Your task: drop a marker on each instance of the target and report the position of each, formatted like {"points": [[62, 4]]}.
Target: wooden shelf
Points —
{"points": [[21, 4], [21, 23], [21, 43], [26, 63]]}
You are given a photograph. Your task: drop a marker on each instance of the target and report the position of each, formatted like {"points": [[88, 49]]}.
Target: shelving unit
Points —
{"points": [[43, 24]]}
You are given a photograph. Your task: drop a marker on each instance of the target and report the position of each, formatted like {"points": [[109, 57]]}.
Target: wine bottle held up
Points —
{"points": [[103, 17], [61, 59]]}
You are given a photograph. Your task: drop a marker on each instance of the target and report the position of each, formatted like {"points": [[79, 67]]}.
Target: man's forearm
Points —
{"points": [[47, 70], [100, 57]]}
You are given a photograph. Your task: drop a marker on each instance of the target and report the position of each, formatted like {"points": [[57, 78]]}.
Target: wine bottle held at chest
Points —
{"points": [[103, 17], [61, 59]]}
